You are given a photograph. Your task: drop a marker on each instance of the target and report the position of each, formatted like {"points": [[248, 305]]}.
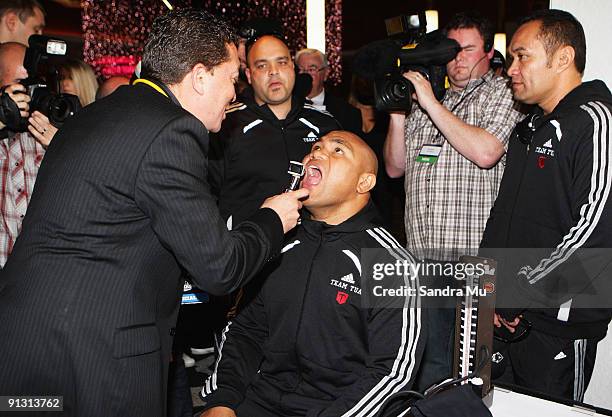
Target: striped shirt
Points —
{"points": [[20, 158], [448, 202]]}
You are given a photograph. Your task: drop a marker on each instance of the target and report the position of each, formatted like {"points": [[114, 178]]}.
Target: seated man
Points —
{"points": [[310, 344]]}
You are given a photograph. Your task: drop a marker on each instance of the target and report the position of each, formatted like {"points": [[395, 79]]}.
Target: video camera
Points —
{"points": [[56, 106], [407, 47]]}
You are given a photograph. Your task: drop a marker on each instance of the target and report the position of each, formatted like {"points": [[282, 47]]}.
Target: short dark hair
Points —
{"points": [[559, 28], [472, 20], [181, 39], [23, 8]]}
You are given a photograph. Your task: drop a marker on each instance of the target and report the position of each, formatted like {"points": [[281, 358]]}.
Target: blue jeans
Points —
{"points": [[437, 361], [179, 392]]}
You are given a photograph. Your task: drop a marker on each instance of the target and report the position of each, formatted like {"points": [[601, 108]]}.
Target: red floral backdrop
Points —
{"points": [[116, 30]]}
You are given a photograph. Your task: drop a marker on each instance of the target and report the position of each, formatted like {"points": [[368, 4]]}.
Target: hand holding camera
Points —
{"points": [[18, 101], [423, 91], [18, 94], [41, 128], [14, 105]]}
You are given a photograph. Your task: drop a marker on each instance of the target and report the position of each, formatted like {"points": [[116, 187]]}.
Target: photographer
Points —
{"points": [[76, 78], [21, 153], [450, 154]]}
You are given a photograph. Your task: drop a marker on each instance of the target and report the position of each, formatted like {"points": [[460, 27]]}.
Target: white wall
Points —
{"points": [[596, 19]]}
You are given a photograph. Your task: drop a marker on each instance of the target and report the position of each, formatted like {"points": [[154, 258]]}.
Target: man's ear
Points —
{"points": [[200, 78], [565, 57], [10, 20], [325, 73], [366, 182], [247, 72]]}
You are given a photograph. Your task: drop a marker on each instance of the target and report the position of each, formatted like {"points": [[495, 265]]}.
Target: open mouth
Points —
{"points": [[275, 85], [313, 176]]}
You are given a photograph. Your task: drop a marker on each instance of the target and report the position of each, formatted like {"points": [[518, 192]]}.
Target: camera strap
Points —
{"points": [[452, 110], [461, 100]]}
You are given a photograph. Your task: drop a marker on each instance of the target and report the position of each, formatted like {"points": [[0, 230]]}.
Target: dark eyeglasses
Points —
{"points": [[521, 332], [526, 128]]}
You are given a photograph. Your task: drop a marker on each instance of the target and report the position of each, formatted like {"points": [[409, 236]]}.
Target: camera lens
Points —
{"points": [[393, 93], [61, 107], [399, 90]]}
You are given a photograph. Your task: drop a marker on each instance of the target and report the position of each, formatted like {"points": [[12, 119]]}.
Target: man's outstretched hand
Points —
{"points": [[286, 205]]}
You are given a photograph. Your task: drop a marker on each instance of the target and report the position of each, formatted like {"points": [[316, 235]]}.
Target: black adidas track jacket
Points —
{"points": [[306, 346], [553, 216], [249, 157]]}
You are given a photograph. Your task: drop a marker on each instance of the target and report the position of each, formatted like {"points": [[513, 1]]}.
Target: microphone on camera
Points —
{"points": [[296, 171], [376, 59]]}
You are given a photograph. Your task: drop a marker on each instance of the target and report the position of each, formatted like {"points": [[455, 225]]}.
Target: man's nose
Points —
{"points": [[513, 68], [273, 69]]}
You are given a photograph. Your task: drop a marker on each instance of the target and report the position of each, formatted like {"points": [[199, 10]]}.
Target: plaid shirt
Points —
{"points": [[448, 202], [20, 157]]}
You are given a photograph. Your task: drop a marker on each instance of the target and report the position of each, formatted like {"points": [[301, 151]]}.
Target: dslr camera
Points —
{"points": [[408, 47], [55, 105]]}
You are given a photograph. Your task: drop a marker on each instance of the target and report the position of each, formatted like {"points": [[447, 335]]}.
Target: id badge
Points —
{"points": [[429, 154]]}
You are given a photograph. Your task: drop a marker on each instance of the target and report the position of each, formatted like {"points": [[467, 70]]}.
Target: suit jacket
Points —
{"points": [[348, 116], [89, 296]]}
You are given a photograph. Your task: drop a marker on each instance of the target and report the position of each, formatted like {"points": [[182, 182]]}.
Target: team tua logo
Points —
{"points": [[310, 138], [341, 297]]}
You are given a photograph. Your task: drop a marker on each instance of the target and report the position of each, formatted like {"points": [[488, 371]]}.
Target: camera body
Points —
{"points": [[56, 106], [53, 104]]}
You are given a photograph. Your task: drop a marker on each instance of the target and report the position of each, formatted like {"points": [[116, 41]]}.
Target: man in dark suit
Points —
{"points": [[314, 63], [89, 295]]}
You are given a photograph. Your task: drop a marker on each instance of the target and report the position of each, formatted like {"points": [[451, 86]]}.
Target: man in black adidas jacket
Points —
{"points": [[315, 341], [262, 132], [554, 202]]}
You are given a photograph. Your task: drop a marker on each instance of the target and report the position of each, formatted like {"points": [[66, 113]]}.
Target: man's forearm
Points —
{"points": [[474, 143], [394, 150]]}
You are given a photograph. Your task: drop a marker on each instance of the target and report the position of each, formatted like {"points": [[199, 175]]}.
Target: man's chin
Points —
{"points": [[277, 98], [310, 187], [214, 128]]}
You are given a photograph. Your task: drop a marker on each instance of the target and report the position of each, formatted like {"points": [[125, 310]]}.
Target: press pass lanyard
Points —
{"points": [[150, 84]]}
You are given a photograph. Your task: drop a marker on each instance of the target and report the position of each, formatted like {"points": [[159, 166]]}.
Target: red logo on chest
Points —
{"points": [[541, 161], [341, 297]]}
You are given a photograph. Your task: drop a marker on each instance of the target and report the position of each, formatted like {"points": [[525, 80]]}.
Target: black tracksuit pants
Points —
{"points": [[551, 365]]}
